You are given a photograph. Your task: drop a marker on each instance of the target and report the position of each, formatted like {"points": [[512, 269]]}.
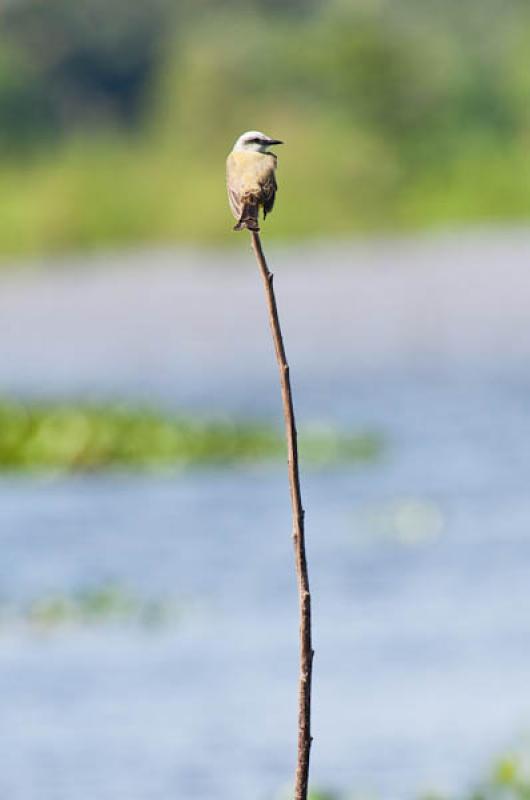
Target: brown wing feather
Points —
{"points": [[268, 194], [234, 200]]}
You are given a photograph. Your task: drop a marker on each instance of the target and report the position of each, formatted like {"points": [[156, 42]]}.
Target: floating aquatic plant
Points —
{"points": [[103, 605], [77, 437]]}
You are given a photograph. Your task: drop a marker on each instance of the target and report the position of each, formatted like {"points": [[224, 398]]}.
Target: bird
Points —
{"points": [[251, 179]]}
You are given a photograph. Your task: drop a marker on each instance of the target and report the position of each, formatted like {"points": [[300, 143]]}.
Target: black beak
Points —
{"points": [[275, 141]]}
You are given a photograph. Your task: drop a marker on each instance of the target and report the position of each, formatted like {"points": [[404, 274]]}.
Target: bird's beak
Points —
{"points": [[275, 141]]}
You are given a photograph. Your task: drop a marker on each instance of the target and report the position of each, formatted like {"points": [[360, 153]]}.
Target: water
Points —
{"points": [[419, 563]]}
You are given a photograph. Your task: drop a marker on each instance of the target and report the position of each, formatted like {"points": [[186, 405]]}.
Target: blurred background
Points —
{"points": [[115, 120], [148, 609]]}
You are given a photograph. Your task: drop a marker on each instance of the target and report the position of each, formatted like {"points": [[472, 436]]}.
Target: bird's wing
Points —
{"points": [[234, 199], [235, 183], [268, 193]]}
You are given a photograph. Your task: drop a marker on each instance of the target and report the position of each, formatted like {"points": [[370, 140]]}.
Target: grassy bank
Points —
{"points": [[397, 115], [76, 438], [109, 193]]}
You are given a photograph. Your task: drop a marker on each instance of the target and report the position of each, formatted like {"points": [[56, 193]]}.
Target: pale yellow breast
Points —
{"points": [[247, 172]]}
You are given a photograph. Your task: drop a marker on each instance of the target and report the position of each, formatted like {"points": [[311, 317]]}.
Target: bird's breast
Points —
{"points": [[249, 171]]}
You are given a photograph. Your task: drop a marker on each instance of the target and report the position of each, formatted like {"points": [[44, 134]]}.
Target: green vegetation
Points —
{"points": [[108, 604], [397, 114], [509, 780], [80, 438], [321, 795]]}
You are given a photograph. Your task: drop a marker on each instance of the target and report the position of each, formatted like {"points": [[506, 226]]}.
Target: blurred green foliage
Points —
{"points": [[397, 114], [508, 780], [81, 438], [106, 604]]}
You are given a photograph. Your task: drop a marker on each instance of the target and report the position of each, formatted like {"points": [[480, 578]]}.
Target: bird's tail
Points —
{"points": [[249, 217]]}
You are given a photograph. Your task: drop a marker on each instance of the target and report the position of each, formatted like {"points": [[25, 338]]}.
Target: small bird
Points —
{"points": [[250, 178]]}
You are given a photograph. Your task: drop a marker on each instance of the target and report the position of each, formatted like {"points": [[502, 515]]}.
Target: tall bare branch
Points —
{"points": [[306, 650]]}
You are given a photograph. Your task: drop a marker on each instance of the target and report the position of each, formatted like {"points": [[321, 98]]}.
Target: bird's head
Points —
{"points": [[255, 141]]}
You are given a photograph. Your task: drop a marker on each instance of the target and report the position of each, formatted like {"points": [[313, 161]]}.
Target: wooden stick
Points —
{"points": [[306, 650]]}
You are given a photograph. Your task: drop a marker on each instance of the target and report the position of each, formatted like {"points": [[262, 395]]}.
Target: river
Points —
{"points": [[419, 562]]}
